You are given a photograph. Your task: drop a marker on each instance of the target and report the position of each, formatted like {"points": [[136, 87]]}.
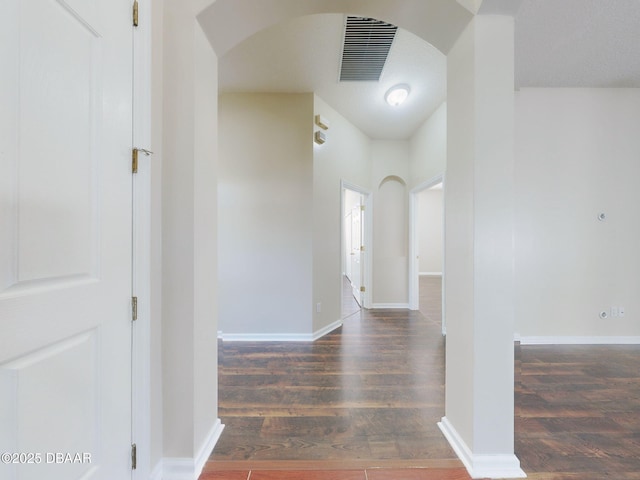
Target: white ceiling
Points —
{"points": [[303, 55], [578, 43], [558, 43]]}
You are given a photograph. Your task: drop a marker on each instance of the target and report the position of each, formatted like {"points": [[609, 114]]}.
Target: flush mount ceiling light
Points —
{"points": [[397, 94]]}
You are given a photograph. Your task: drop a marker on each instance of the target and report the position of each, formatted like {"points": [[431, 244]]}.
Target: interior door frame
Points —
{"points": [[141, 240], [414, 270], [356, 255], [367, 234]]}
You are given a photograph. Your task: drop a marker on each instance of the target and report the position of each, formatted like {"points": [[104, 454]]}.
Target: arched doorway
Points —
{"points": [[432, 22]]}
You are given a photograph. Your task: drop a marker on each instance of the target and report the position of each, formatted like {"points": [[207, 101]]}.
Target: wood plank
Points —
{"points": [[372, 390], [418, 474], [308, 475], [369, 395], [349, 464], [225, 475], [578, 411]]}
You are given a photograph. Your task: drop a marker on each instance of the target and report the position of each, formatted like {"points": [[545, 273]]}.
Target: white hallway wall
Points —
{"points": [[265, 185], [273, 247], [428, 149], [577, 156], [345, 156], [390, 162], [247, 213], [184, 323]]}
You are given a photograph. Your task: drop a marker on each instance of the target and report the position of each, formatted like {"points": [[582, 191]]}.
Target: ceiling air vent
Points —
{"points": [[366, 45]]}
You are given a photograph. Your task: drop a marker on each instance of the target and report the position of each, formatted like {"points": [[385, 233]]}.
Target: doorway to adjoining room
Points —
{"points": [[427, 238], [353, 251]]}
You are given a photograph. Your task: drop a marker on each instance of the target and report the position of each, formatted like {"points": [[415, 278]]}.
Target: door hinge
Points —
{"points": [[134, 308], [134, 158], [362, 289], [135, 13], [134, 456], [362, 248], [362, 208]]}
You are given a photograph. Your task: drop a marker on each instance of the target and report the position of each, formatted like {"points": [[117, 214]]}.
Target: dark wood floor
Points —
{"points": [[362, 402], [430, 298], [368, 396], [578, 412], [371, 390], [324, 472]]}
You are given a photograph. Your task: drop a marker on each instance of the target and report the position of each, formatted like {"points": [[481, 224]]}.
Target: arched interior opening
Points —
{"points": [[272, 85], [470, 77]]}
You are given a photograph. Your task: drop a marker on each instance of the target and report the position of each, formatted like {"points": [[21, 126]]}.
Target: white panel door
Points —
{"points": [[348, 251], [65, 239], [356, 253]]}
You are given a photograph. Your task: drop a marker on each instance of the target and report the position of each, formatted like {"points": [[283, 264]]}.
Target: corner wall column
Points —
{"points": [[479, 421], [189, 243]]}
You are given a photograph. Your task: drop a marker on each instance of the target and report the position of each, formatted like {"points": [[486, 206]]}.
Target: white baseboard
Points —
{"points": [[390, 305], [430, 274], [481, 466], [179, 469], [328, 329], [279, 337], [156, 473], [578, 340], [267, 337], [208, 445], [191, 468]]}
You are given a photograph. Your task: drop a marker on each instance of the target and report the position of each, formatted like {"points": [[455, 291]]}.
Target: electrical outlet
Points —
{"points": [[318, 307]]}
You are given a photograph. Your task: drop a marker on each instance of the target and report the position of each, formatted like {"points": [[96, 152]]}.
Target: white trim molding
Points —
{"points": [[141, 361], [328, 329], [267, 337], [481, 466], [579, 340], [208, 446], [156, 473], [280, 337], [384, 306], [191, 468], [430, 274], [179, 469]]}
